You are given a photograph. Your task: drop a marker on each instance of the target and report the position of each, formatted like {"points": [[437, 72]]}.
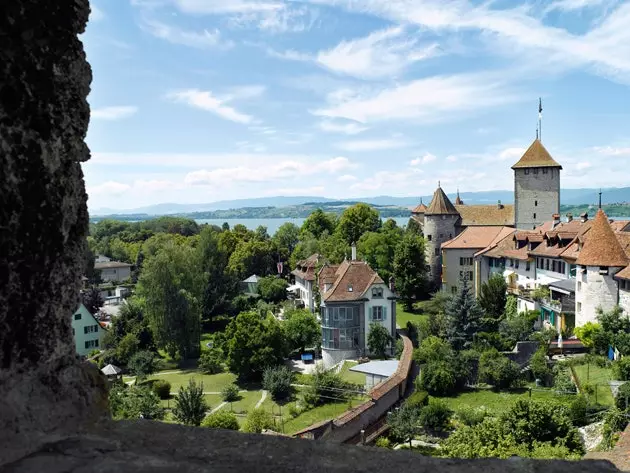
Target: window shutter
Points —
{"points": [[384, 313]]}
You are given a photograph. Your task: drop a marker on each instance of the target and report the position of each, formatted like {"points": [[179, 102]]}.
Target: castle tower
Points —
{"points": [[536, 187], [440, 222], [458, 200]]}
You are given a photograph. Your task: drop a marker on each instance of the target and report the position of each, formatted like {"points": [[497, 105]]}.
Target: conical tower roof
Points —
{"points": [[440, 204], [420, 209], [536, 156], [601, 246]]}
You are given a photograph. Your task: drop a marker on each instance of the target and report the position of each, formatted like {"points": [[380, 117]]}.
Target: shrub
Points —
{"points": [[162, 388], [294, 411], [439, 378], [133, 402], [326, 387], [230, 393], [417, 400], [578, 410], [623, 394], [538, 364], [190, 404], [211, 361], [588, 388], [497, 370], [383, 442], [400, 346], [277, 381], [242, 303], [472, 417], [432, 349], [221, 420], [257, 421], [615, 421], [436, 416], [621, 369], [562, 382]]}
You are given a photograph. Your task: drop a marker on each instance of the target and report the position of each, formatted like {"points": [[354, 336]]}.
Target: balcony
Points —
{"points": [[552, 304], [519, 291]]}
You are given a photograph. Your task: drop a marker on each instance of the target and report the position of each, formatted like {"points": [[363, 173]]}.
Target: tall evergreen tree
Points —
{"points": [[410, 269], [93, 300], [492, 299], [220, 285], [464, 316]]}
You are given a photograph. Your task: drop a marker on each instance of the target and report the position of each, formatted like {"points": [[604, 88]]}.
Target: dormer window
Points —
{"points": [[603, 270], [377, 292], [349, 287]]}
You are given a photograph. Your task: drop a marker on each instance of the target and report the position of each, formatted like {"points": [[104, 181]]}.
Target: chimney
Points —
{"points": [[584, 217], [354, 251], [499, 205], [556, 220], [569, 217]]}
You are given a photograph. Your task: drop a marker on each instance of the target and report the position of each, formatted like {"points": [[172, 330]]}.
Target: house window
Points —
{"points": [[349, 287], [378, 313], [527, 264], [535, 171], [526, 171], [579, 307], [516, 263], [535, 203], [437, 252], [470, 275], [77, 316], [579, 285], [429, 237], [547, 264], [450, 235], [465, 261], [91, 344], [441, 235], [534, 216], [377, 292], [453, 289]]}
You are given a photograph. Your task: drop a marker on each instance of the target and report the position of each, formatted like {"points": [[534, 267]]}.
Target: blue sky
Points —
{"points": [[203, 100]]}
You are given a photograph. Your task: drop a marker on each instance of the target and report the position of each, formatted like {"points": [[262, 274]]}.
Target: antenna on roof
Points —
{"points": [[439, 184], [600, 198], [539, 130]]}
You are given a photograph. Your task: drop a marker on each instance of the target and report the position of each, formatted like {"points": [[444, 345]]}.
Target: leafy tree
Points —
{"points": [[92, 300], [127, 347], [135, 274], [142, 364], [220, 285], [211, 361], [134, 402], [511, 307], [492, 299], [301, 329], [615, 421], [410, 269], [497, 370], [130, 320], [436, 417], [414, 227], [258, 420], [253, 344], [404, 424], [439, 378], [230, 393], [538, 364], [378, 249], [261, 233], [190, 405], [515, 329], [327, 387], [464, 317], [277, 381], [287, 236], [379, 340], [272, 288], [319, 222], [621, 369], [162, 388], [172, 287], [357, 220], [433, 349], [253, 257], [221, 420]]}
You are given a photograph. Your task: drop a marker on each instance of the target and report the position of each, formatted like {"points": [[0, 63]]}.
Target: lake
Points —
{"points": [[272, 224]]}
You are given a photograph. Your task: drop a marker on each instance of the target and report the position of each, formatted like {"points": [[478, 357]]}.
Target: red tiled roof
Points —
{"points": [[477, 237], [621, 225], [536, 156], [305, 269], [601, 246], [353, 278], [420, 209], [486, 215]]}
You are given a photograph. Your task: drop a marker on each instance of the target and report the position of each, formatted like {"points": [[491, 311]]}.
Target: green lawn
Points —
{"points": [[497, 402], [211, 382], [594, 375], [318, 414], [246, 404], [351, 376], [402, 316]]}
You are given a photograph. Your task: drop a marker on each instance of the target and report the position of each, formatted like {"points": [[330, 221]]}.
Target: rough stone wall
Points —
{"points": [[44, 116], [596, 291], [531, 188], [624, 299], [441, 230]]}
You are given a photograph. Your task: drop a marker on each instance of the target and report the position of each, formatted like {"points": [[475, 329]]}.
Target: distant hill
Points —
{"points": [[568, 197]]}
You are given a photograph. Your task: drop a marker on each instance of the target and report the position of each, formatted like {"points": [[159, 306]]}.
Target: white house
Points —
{"points": [[88, 332], [101, 259], [305, 281], [113, 270], [353, 298]]}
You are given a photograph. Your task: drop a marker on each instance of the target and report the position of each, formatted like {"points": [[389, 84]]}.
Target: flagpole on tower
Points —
{"points": [[539, 118]]}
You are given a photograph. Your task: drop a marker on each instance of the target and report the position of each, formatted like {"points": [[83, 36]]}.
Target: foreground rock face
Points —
{"points": [[44, 82], [145, 446]]}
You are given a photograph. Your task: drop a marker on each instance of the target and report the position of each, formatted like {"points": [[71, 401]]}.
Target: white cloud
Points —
{"points": [[429, 100], [583, 165], [612, 150], [265, 172], [347, 178], [96, 14], [227, 6], [113, 113], [427, 158], [314, 190], [348, 128], [204, 39], [244, 92], [204, 100], [511, 153], [387, 180], [383, 53], [370, 145], [109, 188], [451, 158], [289, 55], [570, 5], [154, 185]]}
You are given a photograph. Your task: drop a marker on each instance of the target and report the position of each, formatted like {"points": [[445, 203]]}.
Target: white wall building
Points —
{"points": [[87, 331], [114, 270], [305, 274]]}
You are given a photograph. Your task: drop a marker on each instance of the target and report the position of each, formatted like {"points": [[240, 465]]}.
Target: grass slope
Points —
{"points": [[594, 375]]}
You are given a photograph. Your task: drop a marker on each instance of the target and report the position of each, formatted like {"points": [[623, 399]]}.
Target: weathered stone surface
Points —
{"points": [[145, 446], [44, 114]]}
